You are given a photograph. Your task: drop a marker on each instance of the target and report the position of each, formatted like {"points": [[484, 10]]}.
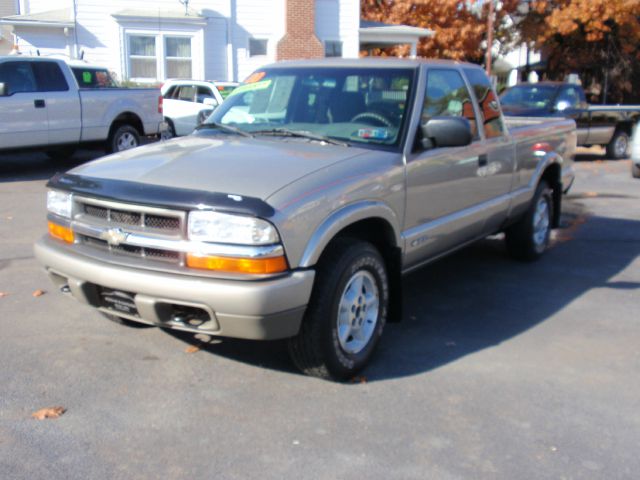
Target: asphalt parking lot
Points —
{"points": [[499, 370]]}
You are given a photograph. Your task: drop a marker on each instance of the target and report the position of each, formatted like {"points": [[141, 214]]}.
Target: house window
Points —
{"points": [[178, 57], [332, 48], [159, 56], [143, 62], [257, 47]]}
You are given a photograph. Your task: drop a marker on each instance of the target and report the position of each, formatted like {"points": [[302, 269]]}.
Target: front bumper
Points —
{"points": [[252, 309]]}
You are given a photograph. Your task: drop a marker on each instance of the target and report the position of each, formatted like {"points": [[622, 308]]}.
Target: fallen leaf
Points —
{"points": [[39, 293], [192, 349], [361, 379], [50, 412]]}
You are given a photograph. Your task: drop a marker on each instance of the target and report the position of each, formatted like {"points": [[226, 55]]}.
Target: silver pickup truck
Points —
{"points": [[55, 105], [296, 209]]}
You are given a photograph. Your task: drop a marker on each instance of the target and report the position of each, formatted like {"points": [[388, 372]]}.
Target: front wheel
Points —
{"points": [[346, 314], [123, 137], [635, 170], [528, 238]]}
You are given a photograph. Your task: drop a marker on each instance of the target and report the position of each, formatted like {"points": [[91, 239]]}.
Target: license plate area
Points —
{"points": [[118, 301]]}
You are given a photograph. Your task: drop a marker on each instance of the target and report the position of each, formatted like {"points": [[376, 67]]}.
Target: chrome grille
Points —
{"points": [[170, 223], [102, 215]]}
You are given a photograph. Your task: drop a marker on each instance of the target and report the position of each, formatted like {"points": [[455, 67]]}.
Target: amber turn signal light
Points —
{"points": [[238, 265], [61, 233]]}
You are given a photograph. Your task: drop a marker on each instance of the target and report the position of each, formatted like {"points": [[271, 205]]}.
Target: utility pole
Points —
{"points": [[489, 38]]}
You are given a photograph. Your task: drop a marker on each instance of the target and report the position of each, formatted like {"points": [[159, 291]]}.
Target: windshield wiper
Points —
{"points": [[221, 126], [285, 132]]}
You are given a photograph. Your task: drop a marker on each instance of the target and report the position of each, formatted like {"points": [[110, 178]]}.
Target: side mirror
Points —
{"points": [[4, 89], [210, 102], [446, 132]]}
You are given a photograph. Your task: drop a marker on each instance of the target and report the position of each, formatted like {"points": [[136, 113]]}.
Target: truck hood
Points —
{"points": [[255, 167]]}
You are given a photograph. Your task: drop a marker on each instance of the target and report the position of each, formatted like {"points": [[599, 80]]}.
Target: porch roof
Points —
{"points": [[61, 18]]}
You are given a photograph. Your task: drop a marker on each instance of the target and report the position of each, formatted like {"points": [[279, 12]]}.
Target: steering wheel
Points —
{"points": [[373, 116]]}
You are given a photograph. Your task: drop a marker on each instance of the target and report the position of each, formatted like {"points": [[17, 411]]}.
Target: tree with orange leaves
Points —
{"points": [[599, 39], [459, 27]]}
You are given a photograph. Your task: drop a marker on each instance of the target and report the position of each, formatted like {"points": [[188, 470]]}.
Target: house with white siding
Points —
{"points": [[153, 40], [7, 7]]}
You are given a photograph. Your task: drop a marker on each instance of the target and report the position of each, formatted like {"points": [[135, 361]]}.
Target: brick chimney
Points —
{"points": [[300, 39]]}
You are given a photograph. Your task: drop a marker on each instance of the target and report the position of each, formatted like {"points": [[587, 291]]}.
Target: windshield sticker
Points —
{"points": [[251, 87], [255, 77], [374, 133]]}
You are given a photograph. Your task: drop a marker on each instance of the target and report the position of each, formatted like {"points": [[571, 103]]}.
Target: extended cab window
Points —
{"points": [[489, 108], [447, 96], [93, 77], [18, 77], [49, 77]]}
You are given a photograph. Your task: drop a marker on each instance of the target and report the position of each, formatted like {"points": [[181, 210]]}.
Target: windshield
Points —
{"points": [[529, 96], [356, 105]]}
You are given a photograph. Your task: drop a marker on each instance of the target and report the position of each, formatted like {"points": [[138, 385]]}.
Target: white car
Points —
{"points": [[635, 152], [187, 103]]}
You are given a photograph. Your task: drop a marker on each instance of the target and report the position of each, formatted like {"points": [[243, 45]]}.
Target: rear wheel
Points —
{"points": [[618, 146], [170, 132], [346, 314], [123, 137], [635, 170], [529, 237]]}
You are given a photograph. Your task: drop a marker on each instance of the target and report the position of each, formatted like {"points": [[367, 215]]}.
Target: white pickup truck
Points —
{"points": [[42, 106]]}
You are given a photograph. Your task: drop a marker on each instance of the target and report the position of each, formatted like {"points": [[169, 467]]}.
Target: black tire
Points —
{"points": [[125, 321], [318, 350], [123, 137], [202, 116], [170, 132], [525, 241], [62, 153], [618, 147], [635, 170]]}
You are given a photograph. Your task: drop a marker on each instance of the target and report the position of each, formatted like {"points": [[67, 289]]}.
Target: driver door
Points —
{"points": [[443, 184], [23, 108]]}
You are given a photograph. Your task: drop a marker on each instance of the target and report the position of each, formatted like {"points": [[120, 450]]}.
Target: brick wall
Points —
{"points": [[300, 39]]}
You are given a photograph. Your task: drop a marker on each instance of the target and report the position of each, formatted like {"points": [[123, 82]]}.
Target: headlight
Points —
{"points": [[59, 203], [224, 228]]}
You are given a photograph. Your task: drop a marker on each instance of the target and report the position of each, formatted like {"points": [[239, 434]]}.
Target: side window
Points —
{"points": [[18, 77], [203, 93], [187, 93], [570, 96], [171, 92], [49, 77], [488, 102], [447, 96]]}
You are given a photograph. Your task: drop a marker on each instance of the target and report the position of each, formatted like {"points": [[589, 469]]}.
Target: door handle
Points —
{"points": [[39, 103], [482, 160]]}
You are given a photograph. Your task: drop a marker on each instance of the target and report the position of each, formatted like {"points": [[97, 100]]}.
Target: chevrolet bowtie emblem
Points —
{"points": [[114, 236]]}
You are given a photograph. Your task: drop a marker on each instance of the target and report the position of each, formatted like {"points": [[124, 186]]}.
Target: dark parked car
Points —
{"points": [[606, 125]]}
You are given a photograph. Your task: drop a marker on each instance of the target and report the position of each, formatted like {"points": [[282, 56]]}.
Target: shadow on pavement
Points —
{"points": [[18, 167], [479, 298]]}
